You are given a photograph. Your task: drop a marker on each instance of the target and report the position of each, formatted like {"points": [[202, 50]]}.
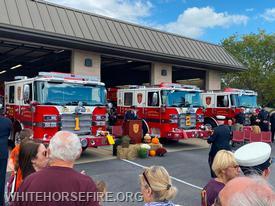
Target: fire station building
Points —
{"points": [[36, 36]]}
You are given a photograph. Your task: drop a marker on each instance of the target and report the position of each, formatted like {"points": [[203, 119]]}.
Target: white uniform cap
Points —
{"points": [[253, 154]]}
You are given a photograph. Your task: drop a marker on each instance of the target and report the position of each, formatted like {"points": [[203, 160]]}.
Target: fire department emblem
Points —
{"points": [[139, 98], [136, 128], [208, 100]]}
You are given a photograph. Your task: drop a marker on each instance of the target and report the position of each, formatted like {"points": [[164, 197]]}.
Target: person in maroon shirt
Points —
{"points": [[59, 184], [226, 168]]}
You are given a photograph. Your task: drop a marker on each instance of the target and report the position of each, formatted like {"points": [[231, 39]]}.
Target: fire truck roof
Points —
{"points": [[164, 85], [63, 77]]}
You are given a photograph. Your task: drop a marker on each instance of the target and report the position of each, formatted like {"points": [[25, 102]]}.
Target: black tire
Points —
{"points": [[210, 122], [84, 148], [145, 127]]}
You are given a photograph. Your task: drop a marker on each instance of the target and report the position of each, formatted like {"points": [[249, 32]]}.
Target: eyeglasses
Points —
{"points": [[146, 179]]}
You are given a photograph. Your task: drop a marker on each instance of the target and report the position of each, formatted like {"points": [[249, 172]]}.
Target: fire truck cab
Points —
{"points": [[225, 105], [52, 102], [169, 110]]}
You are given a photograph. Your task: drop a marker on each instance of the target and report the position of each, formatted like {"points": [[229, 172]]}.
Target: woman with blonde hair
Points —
{"points": [[156, 187], [226, 168]]}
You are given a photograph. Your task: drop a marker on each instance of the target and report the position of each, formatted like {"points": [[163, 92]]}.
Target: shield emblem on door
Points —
{"points": [[136, 128], [208, 100], [139, 98]]}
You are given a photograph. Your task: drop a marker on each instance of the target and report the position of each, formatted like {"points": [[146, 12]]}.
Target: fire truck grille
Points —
{"points": [[79, 124], [187, 121]]}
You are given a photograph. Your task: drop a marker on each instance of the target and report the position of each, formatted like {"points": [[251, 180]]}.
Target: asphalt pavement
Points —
{"points": [[189, 169]]}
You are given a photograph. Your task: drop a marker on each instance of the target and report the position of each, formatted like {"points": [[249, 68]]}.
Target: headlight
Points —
{"points": [[100, 117], [48, 118], [174, 116]]}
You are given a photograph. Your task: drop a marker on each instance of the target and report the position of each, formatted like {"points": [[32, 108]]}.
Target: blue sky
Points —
{"points": [[207, 20]]}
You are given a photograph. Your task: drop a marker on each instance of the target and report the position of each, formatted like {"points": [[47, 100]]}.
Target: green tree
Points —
{"points": [[257, 53]]}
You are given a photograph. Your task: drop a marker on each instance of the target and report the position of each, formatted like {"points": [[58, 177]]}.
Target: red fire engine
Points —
{"points": [[224, 105], [170, 110], [52, 102]]}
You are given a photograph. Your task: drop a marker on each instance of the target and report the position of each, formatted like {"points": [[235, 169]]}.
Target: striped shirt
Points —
{"points": [[159, 204]]}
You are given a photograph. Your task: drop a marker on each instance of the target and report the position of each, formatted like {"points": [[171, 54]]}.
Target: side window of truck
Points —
{"points": [[153, 99], [11, 94], [222, 101], [30, 93], [128, 99]]}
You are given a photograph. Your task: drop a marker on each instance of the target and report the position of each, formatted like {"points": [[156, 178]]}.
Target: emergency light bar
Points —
{"points": [[68, 76]]}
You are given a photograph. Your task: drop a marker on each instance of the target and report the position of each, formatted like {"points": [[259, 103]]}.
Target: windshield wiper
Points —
{"points": [[72, 103], [98, 104], [51, 103]]}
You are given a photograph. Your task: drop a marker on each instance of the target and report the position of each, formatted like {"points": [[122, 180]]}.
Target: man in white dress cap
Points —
{"points": [[254, 158]]}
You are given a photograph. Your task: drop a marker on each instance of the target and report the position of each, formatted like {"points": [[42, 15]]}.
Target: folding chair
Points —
{"points": [[266, 137], [238, 136], [247, 132], [255, 137]]}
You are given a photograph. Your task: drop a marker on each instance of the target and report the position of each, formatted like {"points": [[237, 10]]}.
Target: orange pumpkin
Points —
{"points": [[152, 153], [155, 140]]}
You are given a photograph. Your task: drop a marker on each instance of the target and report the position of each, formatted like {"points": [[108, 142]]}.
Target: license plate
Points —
{"points": [[188, 121]]}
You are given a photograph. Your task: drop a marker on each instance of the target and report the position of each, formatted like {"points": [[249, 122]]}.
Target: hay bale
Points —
{"points": [[130, 153], [122, 152], [155, 146]]}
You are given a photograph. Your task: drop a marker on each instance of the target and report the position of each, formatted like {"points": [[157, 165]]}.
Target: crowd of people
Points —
{"points": [[250, 164], [260, 121], [238, 178]]}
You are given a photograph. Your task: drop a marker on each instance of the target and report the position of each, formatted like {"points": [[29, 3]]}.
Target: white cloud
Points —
{"points": [[249, 9], [269, 15], [194, 21], [126, 10]]}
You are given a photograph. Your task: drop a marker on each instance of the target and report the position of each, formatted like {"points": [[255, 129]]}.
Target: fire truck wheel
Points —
{"points": [[84, 148], [210, 122]]}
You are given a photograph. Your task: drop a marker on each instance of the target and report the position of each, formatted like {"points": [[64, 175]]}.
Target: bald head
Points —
{"points": [[243, 191]]}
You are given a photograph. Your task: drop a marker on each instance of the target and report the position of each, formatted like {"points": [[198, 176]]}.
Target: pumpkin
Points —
{"points": [[161, 151], [152, 153], [155, 140]]}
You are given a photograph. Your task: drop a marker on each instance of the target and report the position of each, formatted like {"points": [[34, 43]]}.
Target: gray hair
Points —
{"points": [[260, 194], [65, 146]]}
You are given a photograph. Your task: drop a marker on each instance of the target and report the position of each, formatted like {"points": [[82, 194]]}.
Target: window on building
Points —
{"points": [[222, 101], [11, 94], [153, 99], [128, 99]]}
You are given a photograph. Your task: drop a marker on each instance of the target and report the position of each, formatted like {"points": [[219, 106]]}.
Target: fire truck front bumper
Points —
{"points": [[93, 141], [185, 134]]}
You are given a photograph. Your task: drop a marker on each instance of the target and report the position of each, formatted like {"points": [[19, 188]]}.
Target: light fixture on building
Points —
{"points": [[129, 61], [2, 72], [17, 66], [59, 51], [163, 72]]}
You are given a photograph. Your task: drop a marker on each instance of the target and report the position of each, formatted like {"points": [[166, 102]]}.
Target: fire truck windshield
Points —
{"points": [[55, 93], [179, 98], [244, 100]]}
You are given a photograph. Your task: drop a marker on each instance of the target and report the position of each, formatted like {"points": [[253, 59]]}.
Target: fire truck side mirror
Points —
{"points": [[26, 93]]}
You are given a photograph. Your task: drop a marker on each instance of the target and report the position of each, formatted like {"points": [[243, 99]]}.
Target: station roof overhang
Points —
{"points": [[141, 43]]}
